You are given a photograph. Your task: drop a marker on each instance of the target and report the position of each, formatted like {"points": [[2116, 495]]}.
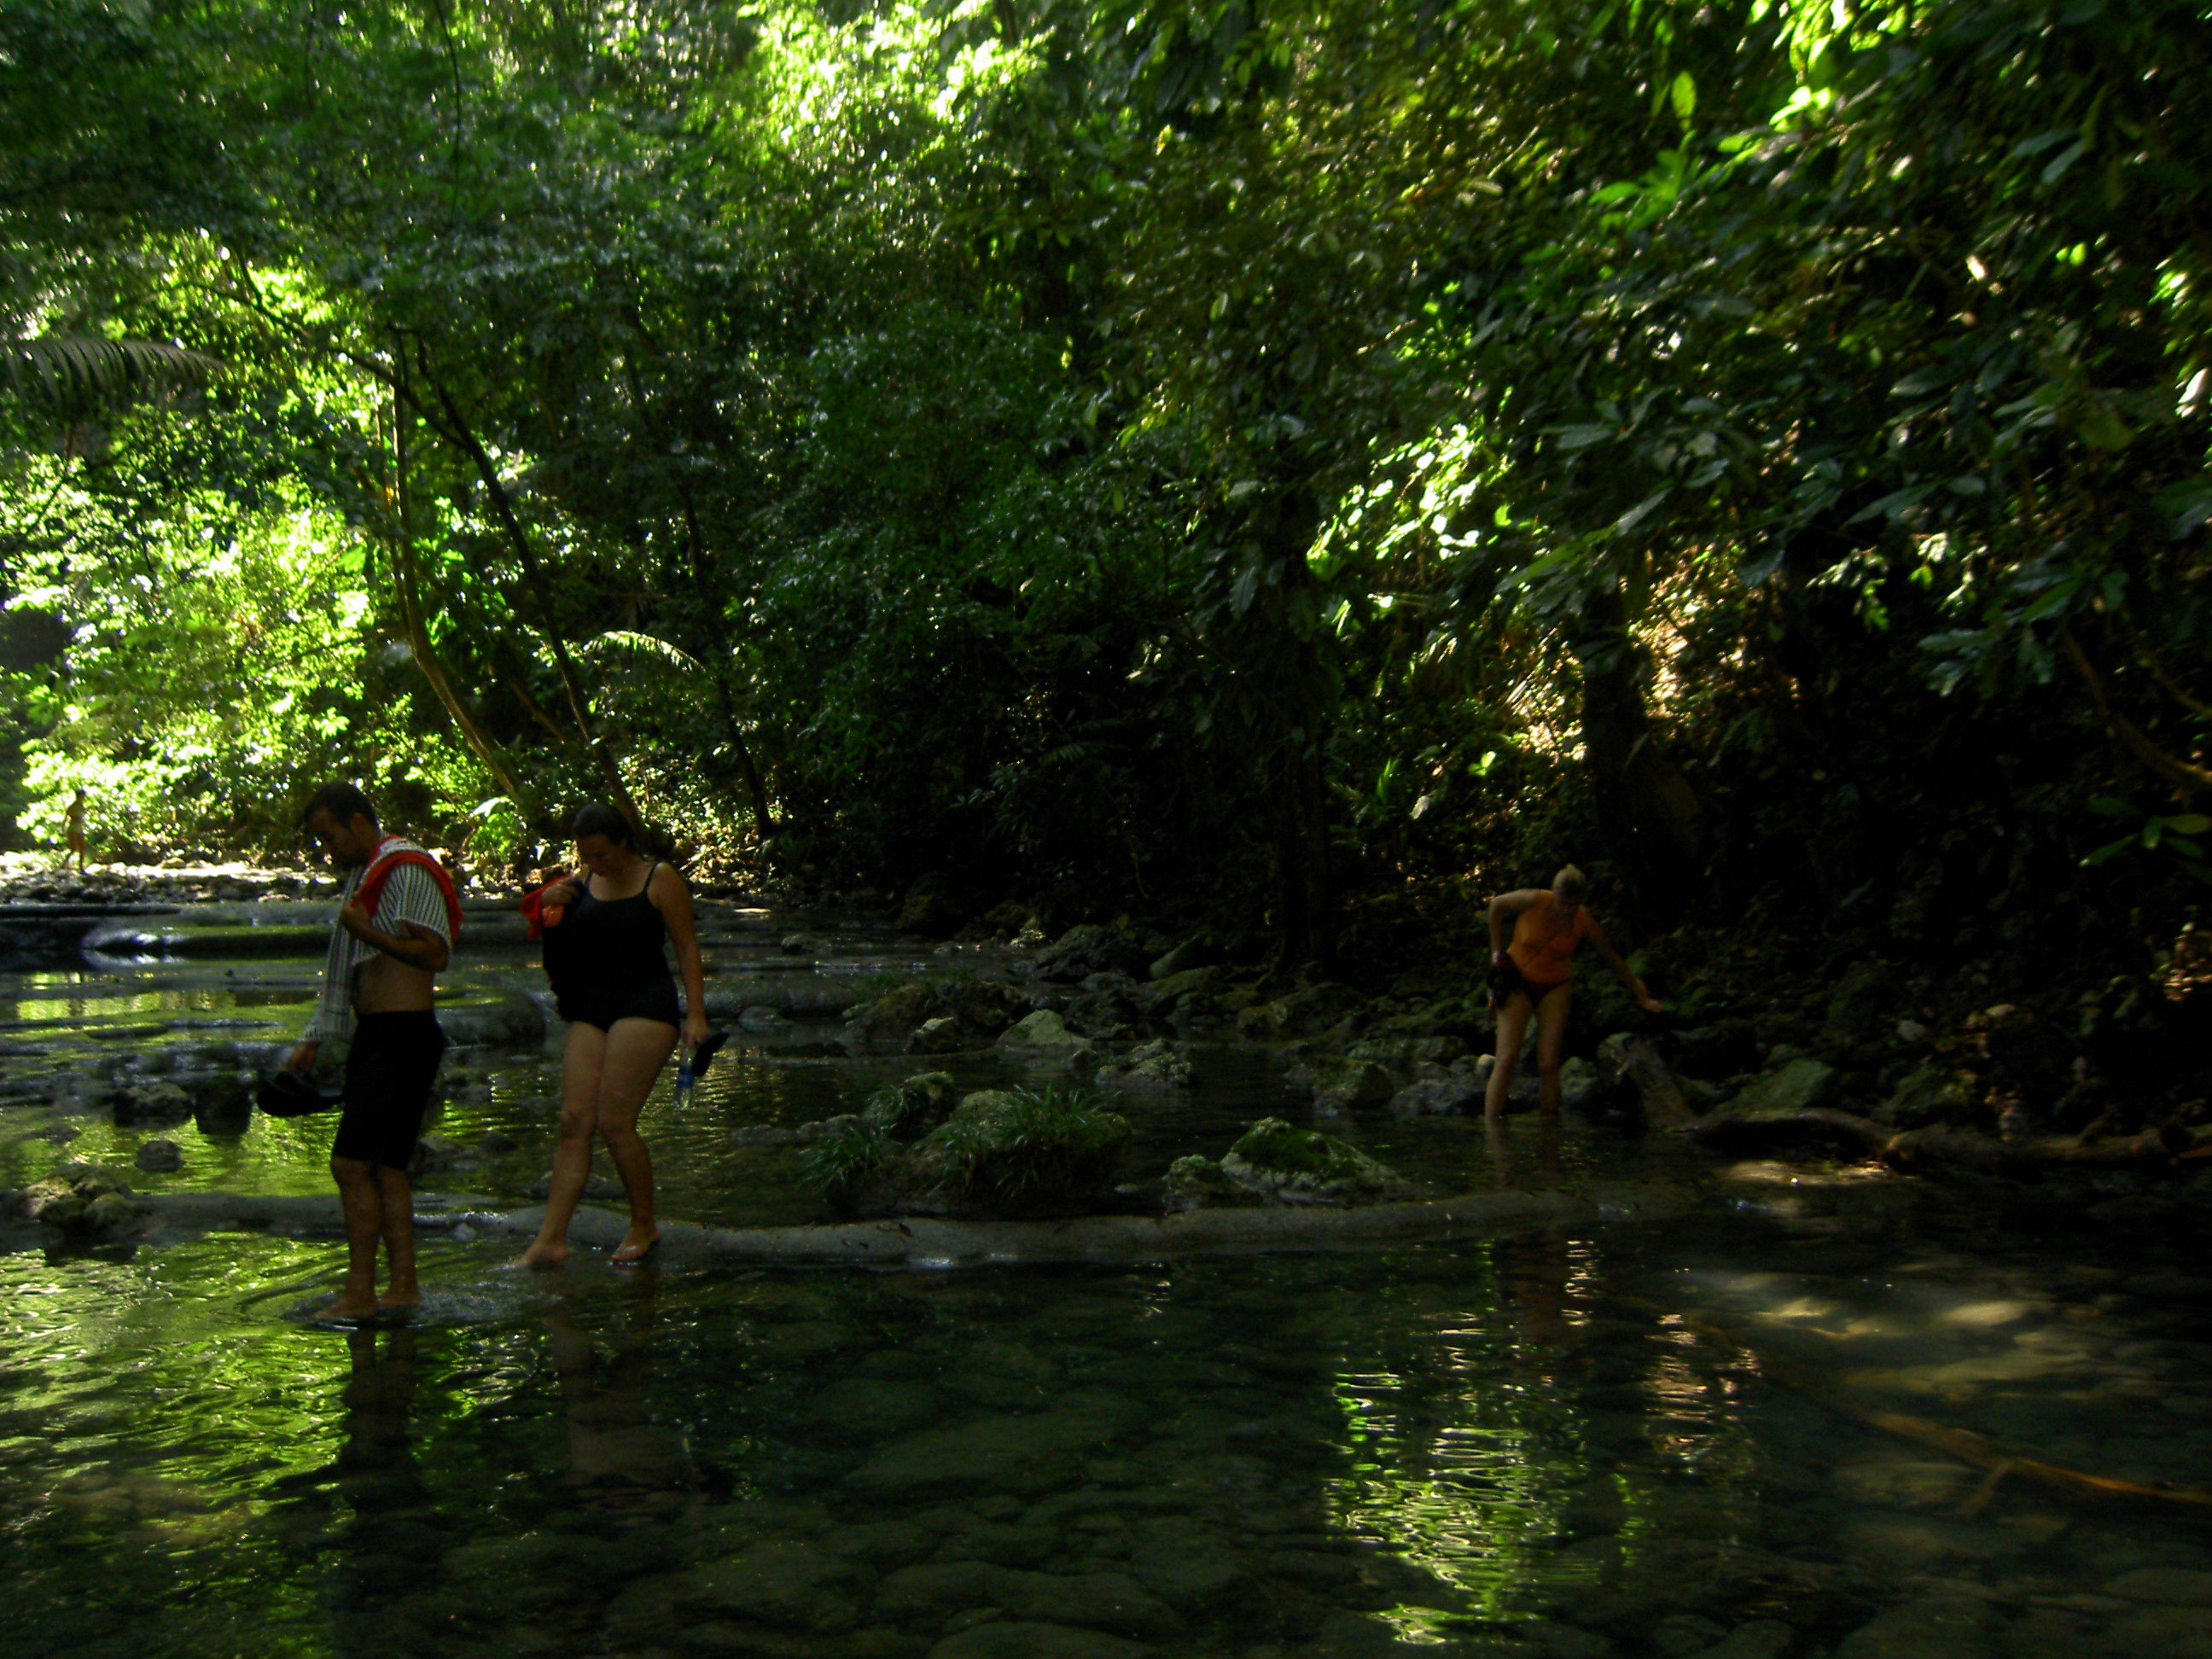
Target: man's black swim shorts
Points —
{"points": [[389, 1074]]}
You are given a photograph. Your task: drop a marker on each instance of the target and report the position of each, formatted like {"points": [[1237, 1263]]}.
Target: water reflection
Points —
{"points": [[621, 1459]]}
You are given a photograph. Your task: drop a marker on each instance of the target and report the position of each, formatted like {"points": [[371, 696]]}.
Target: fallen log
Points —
{"points": [[919, 1241], [1942, 1143], [1769, 1131], [1999, 1460]]}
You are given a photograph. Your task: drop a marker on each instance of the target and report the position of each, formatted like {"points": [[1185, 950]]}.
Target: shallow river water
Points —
{"points": [[1722, 1435]]}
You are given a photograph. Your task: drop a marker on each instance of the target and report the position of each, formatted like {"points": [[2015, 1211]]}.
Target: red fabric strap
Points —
{"points": [[534, 908], [382, 864]]}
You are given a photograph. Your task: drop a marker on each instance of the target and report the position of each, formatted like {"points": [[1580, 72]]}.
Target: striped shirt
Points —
{"points": [[410, 895]]}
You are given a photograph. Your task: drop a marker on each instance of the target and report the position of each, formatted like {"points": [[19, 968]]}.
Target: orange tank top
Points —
{"points": [[1542, 945]]}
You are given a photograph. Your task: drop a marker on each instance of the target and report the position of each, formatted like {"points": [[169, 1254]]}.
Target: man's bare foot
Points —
{"points": [[636, 1247], [398, 1301], [347, 1309], [543, 1255]]}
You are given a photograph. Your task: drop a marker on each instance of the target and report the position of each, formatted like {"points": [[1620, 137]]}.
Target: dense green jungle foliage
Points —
{"points": [[1277, 465]]}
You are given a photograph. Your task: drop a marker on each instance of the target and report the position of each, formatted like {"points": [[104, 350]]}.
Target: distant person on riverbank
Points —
{"points": [[398, 918], [606, 931], [1531, 977], [75, 832]]}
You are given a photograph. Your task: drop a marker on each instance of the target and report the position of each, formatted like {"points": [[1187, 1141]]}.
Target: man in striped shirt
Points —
{"points": [[377, 989]]}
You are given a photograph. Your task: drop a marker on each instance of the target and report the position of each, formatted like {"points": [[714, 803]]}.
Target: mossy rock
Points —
{"points": [[1000, 1153], [910, 1109], [1273, 1162], [1195, 1182]]}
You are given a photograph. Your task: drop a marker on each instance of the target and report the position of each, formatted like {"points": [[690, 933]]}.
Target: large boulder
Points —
{"points": [[1444, 1090], [1150, 1067], [1043, 1035], [1801, 1084], [1272, 1162], [943, 1036], [1086, 950], [1187, 957], [1107, 1006], [1930, 1093], [932, 906], [1348, 1085], [1303, 1012]]}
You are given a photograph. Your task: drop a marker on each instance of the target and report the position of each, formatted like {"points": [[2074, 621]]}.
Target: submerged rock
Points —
{"points": [[941, 1036], [83, 1199], [1043, 1029], [1090, 948], [1016, 1639], [153, 1102], [159, 1156], [1272, 1162], [1439, 1091], [788, 1583], [1153, 1066]]}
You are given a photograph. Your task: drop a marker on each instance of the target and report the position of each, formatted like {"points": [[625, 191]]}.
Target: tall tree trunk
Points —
{"points": [[406, 583], [1645, 805], [450, 424], [1279, 675], [718, 638]]}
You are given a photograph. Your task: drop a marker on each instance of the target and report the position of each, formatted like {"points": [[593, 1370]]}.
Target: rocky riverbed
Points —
{"points": [[1815, 1406]]}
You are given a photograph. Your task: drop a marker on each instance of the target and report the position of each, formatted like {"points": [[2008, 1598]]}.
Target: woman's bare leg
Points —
{"points": [[636, 1049], [1512, 1026], [1550, 1043], [581, 1065]]}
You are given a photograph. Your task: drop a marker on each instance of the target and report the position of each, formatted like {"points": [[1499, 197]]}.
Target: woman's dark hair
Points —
{"points": [[598, 819]]}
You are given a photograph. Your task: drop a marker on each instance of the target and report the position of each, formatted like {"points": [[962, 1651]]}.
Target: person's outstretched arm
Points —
{"points": [[673, 896], [1603, 946]]}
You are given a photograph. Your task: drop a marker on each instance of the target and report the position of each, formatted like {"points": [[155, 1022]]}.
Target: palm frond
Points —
{"points": [[76, 371], [644, 645]]}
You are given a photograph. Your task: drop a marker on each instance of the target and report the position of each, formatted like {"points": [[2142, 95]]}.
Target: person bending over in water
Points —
{"points": [[397, 918], [1531, 977], [607, 927]]}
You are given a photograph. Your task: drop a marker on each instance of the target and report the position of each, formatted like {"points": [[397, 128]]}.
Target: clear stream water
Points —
{"points": [[1650, 1440]]}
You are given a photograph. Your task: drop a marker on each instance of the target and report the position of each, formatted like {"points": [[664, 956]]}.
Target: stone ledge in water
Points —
{"points": [[1273, 1162], [922, 1241]]}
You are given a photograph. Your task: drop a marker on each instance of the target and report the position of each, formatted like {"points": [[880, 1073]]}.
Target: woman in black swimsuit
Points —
{"points": [[611, 973]]}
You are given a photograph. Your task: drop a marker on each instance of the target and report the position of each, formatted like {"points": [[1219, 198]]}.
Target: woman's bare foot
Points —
{"points": [[546, 1253], [399, 1301], [636, 1247], [346, 1310]]}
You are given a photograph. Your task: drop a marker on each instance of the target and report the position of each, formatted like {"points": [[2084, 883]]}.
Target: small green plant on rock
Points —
{"points": [[842, 1159], [1012, 1147]]}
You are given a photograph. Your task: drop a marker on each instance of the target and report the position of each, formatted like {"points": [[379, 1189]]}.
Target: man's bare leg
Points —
{"points": [[363, 1203], [397, 1195]]}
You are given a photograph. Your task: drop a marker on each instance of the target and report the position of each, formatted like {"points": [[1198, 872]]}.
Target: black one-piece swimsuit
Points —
{"points": [[613, 964]]}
